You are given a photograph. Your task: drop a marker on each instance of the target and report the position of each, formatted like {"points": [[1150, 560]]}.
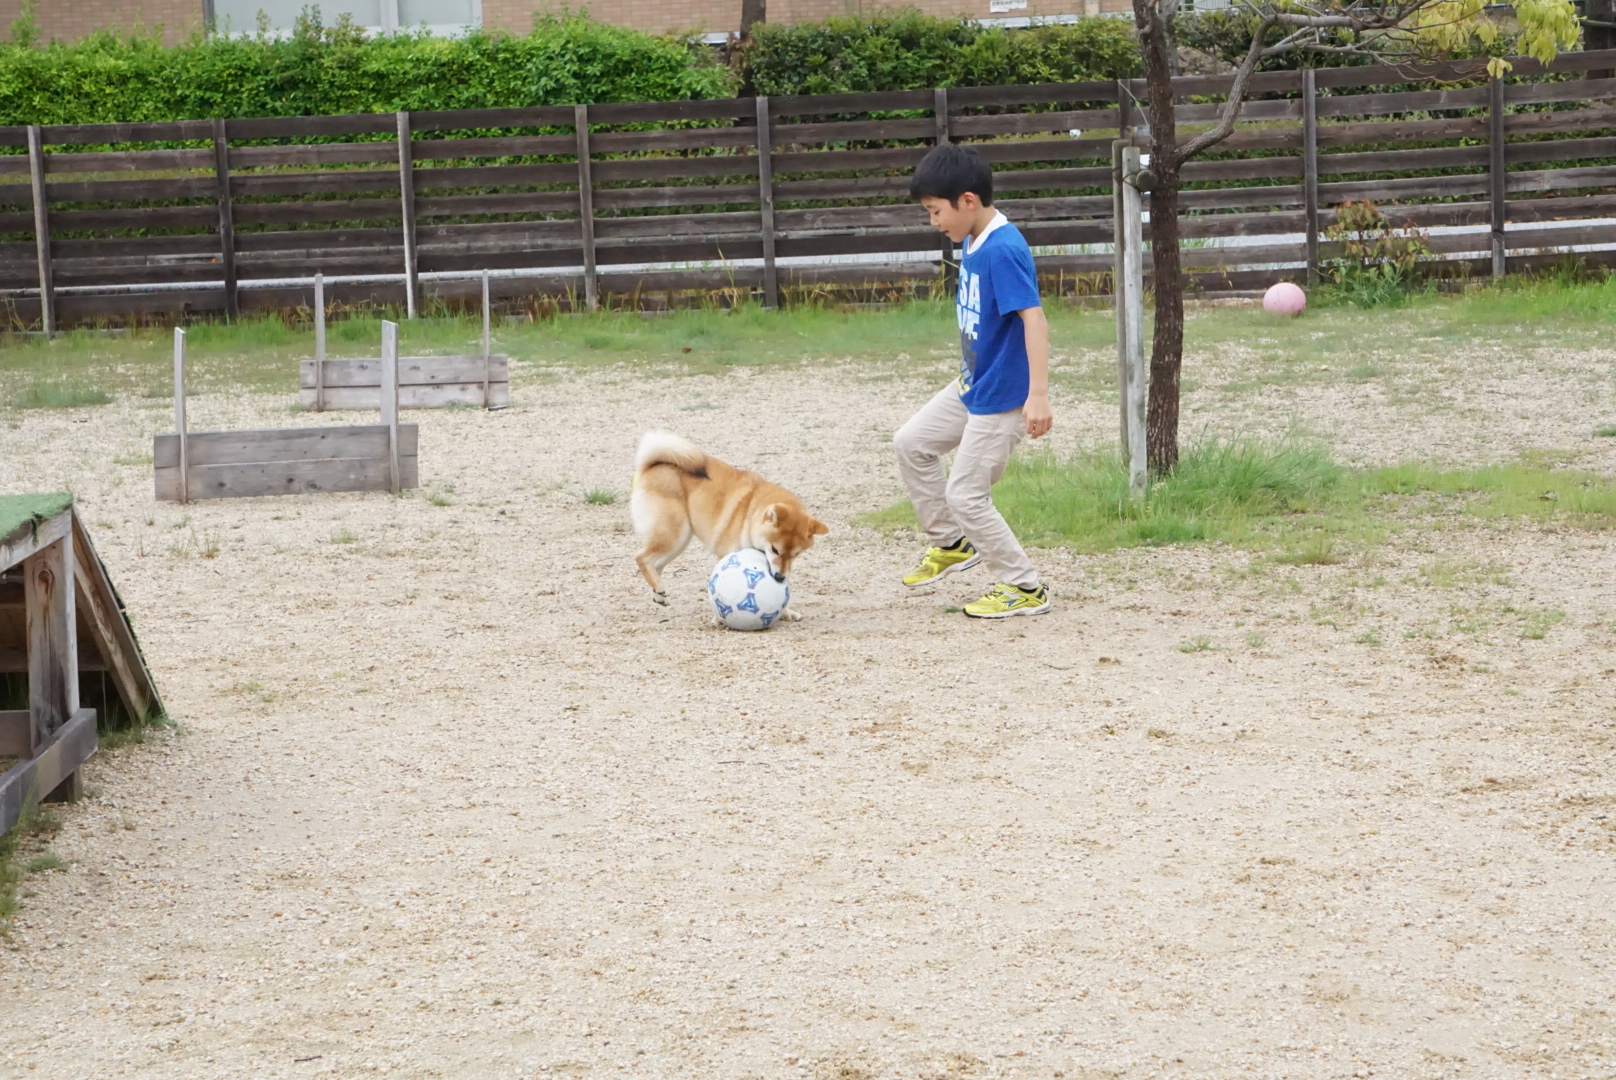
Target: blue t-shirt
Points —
{"points": [[996, 281]]}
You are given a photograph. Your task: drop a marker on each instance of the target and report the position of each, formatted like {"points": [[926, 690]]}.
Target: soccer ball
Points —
{"points": [[744, 593]]}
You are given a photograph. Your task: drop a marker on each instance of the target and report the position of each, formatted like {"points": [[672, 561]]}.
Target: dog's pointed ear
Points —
{"points": [[772, 514], [820, 528]]}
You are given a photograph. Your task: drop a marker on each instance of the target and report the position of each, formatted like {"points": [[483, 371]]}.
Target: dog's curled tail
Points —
{"points": [[666, 448]]}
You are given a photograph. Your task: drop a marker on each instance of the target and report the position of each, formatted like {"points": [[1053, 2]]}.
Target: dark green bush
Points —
{"points": [[906, 50], [337, 69]]}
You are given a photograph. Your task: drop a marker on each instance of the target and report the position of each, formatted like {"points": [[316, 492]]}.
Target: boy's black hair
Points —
{"points": [[949, 171]]}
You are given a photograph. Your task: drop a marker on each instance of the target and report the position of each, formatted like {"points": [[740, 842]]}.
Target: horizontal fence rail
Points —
{"points": [[595, 204]]}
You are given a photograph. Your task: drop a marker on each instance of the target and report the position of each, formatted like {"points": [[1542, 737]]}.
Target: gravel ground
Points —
{"points": [[449, 797]]}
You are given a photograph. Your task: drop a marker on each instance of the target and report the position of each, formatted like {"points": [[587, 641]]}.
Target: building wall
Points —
{"points": [[69, 20], [723, 16]]}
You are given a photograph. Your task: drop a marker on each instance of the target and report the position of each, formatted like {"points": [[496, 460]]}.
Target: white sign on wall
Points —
{"points": [[999, 7]]}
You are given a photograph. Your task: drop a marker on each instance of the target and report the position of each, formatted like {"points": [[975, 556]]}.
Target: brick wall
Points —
{"points": [[69, 20]]}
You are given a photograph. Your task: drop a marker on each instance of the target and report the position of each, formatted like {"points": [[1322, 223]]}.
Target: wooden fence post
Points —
{"points": [[42, 241], [406, 183], [1131, 317], [1118, 275], [319, 342], [586, 207], [227, 220], [486, 341], [1498, 173], [765, 149], [939, 112], [1124, 110], [53, 664], [1310, 172], [179, 413], [389, 396]]}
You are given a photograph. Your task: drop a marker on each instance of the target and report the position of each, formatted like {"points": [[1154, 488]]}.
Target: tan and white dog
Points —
{"points": [[680, 492]]}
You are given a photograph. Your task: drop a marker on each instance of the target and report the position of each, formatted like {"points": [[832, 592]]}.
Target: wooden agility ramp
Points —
{"points": [[64, 638]]}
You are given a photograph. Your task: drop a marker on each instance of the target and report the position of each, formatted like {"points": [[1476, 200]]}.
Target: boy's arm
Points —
{"points": [[1036, 329]]}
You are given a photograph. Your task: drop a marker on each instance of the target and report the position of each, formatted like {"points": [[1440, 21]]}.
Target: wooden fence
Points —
{"points": [[593, 202]]}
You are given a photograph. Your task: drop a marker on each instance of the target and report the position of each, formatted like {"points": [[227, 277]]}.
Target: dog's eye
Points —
{"points": [[774, 549]]}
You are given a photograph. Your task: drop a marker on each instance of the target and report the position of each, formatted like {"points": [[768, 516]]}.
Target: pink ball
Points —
{"points": [[1284, 299]]}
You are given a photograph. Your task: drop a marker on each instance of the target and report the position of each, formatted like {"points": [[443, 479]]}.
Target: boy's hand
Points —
{"points": [[1039, 418]]}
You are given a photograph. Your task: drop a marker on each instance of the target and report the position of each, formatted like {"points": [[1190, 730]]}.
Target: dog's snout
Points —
{"points": [[779, 576]]}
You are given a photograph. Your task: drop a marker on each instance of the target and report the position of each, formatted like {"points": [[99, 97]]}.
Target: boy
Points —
{"points": [[1001, 395]]}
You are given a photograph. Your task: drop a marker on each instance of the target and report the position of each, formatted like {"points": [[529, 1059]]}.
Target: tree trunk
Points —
{"points": [[1167, 347]]}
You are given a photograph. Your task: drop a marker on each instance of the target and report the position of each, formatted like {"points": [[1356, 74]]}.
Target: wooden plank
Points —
{"points": [[971, 97], [282, 445], [497, 394], [942, 132], [412, 371], [499, 146], [1548, 123], [524, 202], [178, 187], [129, 161], [30, 780], [586, 205], [1385, 131], [488, 356], [1579, 90], [150, 131], [296, 127], [42, 229], [1310, 172], [143, 217], [335, 182], [771, 280], [642, 112], [521, 117], [253, 479], [663, 168], [53, 655], [1030, 123], [1559, 150], [1405, 101], [227, 227], [848, 131], [461, 176], [1561, 179], [1441, 157], [102, 610], [826, 104], [16, 732], [317, 210], [258, 157], [30, 540]]}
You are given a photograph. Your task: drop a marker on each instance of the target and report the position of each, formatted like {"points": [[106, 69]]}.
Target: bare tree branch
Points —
{"points": [[1236, 98]]}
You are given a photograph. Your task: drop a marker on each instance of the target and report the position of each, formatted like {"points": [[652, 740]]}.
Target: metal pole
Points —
{"points": [[586, 206], [1499, 174], [179, 414], [406, 183], [42, 243], [319, 343], [1310, 171], [389, 397], [486, 341], [765, 149], [1134, 318]]}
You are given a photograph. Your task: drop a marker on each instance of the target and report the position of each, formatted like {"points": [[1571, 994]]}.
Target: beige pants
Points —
{"points": [[959, 502]]}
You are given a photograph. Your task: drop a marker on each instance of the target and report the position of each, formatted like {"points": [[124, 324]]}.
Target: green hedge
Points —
{"points": [[336, 69], [906, 50]]}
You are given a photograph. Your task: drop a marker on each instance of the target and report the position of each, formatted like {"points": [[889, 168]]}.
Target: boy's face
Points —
{"points": [[953, 220]]}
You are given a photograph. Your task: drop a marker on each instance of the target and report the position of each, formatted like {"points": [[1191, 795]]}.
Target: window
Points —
{"points": [[380, 16]]}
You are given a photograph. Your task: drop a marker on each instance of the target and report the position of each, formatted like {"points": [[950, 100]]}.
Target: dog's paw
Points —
{"points": [[660, 598], [791, 615]]}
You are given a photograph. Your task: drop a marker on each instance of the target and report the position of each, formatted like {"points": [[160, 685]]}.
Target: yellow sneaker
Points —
{"points": [[1007, 600], [940, 562]]}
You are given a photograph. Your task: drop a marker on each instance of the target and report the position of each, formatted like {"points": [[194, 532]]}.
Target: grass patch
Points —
{"points": [[56, 395], [1284, 496], [1606, 432], [344, 536], [600, 497], [26, 839], [1203, 643]]}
